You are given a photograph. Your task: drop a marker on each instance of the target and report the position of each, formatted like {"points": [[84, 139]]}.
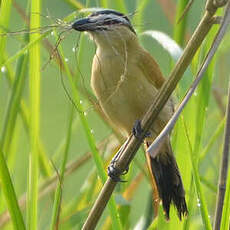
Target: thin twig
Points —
{"points": [[167, 129], [160, 100], [223, 169], [186, 9]]}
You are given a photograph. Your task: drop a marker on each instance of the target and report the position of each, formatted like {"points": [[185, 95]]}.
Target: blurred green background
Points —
{"points": [[203, 117]]}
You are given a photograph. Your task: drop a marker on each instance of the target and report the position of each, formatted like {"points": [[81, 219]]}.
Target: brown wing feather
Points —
{"points": [[150, 69]]}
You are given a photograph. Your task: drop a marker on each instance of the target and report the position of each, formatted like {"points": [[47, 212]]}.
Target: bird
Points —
{"points": [[125, 78]]}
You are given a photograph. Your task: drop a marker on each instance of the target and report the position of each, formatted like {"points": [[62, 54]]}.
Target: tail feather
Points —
{"points": [[168, 180]]}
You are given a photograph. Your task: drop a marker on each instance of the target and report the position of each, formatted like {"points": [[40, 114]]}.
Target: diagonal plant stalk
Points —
{"points": [[223, 169], [132, 144], [204, 66]]}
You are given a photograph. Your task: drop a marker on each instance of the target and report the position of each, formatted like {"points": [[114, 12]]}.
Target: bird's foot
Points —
{"points": [[137, 130], [115, 173]]}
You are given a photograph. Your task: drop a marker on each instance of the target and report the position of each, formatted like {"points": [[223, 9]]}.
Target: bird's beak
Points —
{"points": [[84, 24]]}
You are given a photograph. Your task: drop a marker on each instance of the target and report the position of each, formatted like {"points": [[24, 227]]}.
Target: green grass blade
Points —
{"points": [[44, 164], [29, 46], [32, 200], [138, 17], [202, 203], [10, 196], [58, 193], [120, 5], [201, 101], [104, 3], [4, 21], [216, 134], [225, 222], [208, 184], [180, 27], [74, 3], [196, 117], [13, 105], [202, 95], [187, 222]]}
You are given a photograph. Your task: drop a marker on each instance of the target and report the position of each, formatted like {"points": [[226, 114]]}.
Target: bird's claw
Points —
{"points": [[137, 130], [115, 173]]}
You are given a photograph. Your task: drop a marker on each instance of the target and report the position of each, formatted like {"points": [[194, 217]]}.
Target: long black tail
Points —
{"points": [[168, 181]]}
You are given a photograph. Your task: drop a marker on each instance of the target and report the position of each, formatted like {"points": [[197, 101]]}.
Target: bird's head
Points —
{"points": [[107, 27]]}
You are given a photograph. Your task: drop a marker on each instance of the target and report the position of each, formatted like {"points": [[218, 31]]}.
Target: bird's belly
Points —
{"points": [[126, 101], [125, 106]]}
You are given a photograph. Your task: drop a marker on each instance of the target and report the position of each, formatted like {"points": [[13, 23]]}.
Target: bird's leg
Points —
{"points": [[113, 172], [137, 130]]}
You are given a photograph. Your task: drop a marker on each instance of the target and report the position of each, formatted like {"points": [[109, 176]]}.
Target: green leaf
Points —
{"points": [[10, 196], [166, 42], [32, 199], [225, 222]]}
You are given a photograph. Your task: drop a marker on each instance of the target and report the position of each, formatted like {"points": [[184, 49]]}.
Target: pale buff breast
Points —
{"points": [[124, 92]]}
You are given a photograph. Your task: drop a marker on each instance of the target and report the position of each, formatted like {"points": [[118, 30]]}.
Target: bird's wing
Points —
{"points": [[150, 68]]}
